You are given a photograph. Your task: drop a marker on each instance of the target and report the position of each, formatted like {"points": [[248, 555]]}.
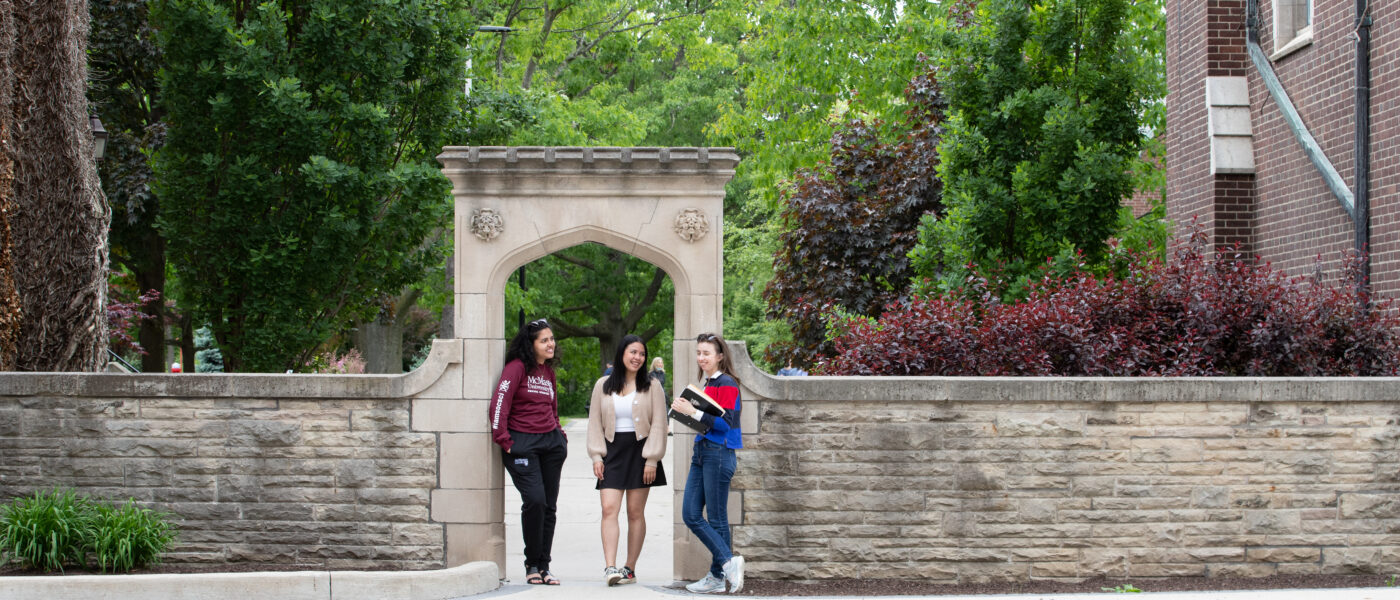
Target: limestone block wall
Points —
{"points": [[975, 479], [321, 471]]}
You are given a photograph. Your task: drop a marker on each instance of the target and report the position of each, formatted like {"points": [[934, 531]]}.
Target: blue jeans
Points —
{"points": [[707, 489]]}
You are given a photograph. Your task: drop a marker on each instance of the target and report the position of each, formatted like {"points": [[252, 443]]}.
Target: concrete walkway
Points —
{"points": [[578, 551], [578, 545]]}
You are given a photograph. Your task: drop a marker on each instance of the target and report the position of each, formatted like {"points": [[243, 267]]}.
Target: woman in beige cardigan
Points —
{"points": [[626, 440]]}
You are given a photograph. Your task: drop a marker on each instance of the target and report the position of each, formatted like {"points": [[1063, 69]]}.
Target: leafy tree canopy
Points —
{"points": [[593, 296], [1045, 110], [609, 72], [851, 222], [297, 182], [123, 63], [805, 62]]}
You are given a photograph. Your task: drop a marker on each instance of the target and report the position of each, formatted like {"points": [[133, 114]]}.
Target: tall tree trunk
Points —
{"points": [[187, 352], [381, 340], [61, 217], [10, 313], [151, 276], [381, 343]]}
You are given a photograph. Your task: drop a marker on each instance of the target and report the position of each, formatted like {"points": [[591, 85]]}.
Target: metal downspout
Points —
{"points": [[1356, 201], [1361, 219]]}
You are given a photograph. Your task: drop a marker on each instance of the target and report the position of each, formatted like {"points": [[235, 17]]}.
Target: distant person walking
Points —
{"points": [[791, 371], [712, 464], [525, 424], [626, 440], [658, 371]]}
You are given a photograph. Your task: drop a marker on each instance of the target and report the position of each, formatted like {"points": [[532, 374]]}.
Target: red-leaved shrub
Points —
{"points": [[1196, 315]]}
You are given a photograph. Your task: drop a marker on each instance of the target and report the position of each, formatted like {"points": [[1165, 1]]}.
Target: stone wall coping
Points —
{"points": [[1059, 389], [240, 385], [465, 580], [580, 160]]}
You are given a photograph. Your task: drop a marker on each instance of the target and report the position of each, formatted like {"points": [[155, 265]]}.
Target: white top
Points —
{"points": [[622, 410]]}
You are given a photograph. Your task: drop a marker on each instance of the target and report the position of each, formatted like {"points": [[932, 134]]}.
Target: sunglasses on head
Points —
{"points": [[537, 324], [707, 337]]}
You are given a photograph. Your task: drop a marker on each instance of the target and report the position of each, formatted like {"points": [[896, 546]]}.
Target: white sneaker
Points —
{"points": [[709, 585], [612, 575], [734, 573]]}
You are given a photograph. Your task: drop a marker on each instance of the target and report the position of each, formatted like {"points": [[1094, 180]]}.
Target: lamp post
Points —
{"points": [[467, 91], [99, 137], [501, 29]]}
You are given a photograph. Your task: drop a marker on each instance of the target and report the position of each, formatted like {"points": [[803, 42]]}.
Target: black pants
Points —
{"points": [[535, 463]]}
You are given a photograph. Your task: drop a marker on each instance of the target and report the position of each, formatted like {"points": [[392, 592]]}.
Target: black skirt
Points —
{"points": [[623, 464]]}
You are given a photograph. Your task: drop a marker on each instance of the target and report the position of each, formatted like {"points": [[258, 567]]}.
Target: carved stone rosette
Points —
{"points": [[691, 224], [487, 224]]}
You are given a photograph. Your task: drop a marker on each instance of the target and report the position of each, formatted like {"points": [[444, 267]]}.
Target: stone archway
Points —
{"points": [[515, 205]]}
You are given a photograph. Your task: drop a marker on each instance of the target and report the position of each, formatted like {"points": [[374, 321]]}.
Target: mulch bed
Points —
{"points": [[904, 587], [15, 570]]}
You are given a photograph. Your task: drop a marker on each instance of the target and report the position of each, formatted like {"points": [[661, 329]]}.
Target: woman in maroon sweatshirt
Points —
{"points": [[524, 417]]}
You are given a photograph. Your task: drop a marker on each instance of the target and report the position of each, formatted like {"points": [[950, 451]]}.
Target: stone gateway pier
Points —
{"points": [[955, 479]]}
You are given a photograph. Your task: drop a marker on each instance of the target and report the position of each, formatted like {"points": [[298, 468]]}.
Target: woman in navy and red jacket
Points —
{"points": [[524, 417], [712, 463]]}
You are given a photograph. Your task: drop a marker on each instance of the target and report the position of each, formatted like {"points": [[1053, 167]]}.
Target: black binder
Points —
{"points": [[699, 399]]}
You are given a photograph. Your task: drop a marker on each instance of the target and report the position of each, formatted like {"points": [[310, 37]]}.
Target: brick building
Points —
{"points": [[1239, 164]]}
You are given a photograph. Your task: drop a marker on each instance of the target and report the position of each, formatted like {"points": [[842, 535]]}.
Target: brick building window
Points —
{"points": [[1292, 25]]}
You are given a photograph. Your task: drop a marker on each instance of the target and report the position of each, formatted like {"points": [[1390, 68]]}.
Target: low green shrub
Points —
{"points": [[58, 528], [130, 537], [47, 530]]}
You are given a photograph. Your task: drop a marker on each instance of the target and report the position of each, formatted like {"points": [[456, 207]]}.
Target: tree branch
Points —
{"points": [[564, 330], [639, 310], [575, 261], [651, 333]]}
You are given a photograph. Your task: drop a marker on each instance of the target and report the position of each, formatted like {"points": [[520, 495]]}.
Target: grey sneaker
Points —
{"points": [[709, 585], [734, 573], [628, 575], [612, 576]]}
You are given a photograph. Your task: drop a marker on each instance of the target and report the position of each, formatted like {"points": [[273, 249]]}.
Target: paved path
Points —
{"points": [[578, 545], [578, 552]]}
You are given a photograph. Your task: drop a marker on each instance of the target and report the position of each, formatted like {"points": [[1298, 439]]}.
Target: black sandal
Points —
{"points": [[533, 576], [549, 578]]}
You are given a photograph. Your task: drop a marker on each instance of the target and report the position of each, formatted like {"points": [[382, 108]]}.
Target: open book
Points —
{"points": [[700, 400]]}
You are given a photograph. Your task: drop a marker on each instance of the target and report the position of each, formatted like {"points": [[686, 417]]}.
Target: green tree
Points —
{"points": [[124, 61], [851, 222], [297, 183], [593, 296], [608, 72], [750, 242], [1045, 107], [803, 65], [803, 69]]}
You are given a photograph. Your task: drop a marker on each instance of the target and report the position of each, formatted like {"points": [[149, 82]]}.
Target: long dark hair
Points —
{"points": [[726, 366], [522, 346], [616, 381]]}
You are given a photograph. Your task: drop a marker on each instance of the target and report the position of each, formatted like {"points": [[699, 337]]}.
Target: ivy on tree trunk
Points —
{"points": [[59, 225], [10, 313]]}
